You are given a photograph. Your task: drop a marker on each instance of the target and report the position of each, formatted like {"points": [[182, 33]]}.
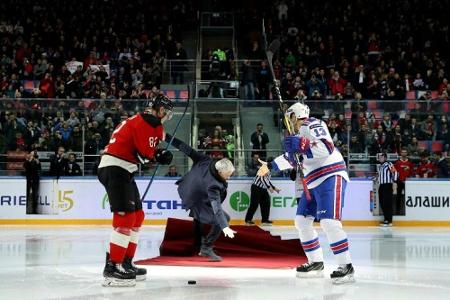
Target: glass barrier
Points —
{"points": [[360, 130], [178, 71], [182, 71]]}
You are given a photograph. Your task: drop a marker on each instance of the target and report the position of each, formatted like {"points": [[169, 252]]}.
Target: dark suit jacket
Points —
{"points": [[442, 168], [57, 166], [201, 190], [255, 141]]}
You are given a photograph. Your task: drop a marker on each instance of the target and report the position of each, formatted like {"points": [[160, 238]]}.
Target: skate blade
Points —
{"points": [[343, 280], [310, 274], [141, 277], [114, 282]]}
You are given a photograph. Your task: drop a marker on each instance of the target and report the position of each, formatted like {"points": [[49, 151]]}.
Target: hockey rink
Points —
{"points": [[66, 262]]}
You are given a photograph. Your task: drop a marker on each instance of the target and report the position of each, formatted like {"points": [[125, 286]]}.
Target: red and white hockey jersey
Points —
{"points": [[138, 135]]}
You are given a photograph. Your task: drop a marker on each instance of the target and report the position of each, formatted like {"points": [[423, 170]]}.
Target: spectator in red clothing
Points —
{"points": [[90, 60], [216, 152], [442, 104], [27, 69], [47, 86], [216, 143], [426, 168], [405, 169], [336, 84], [19, 142], [442, 86]]}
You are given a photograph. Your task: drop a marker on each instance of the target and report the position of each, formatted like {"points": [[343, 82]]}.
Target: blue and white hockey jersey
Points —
{"points": [[321, 160]]}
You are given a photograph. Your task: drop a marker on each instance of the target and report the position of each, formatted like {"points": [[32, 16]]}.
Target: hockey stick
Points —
{"points": [[270, 51], [167, 147]]}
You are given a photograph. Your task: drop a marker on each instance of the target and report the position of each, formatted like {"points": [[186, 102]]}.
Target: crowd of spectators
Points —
{"points": [[88, 49], [331, 52], [73, 52], [371, 53], [333, 49]]}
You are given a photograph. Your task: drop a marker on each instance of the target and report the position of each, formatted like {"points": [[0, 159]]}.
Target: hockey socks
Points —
{"points": [[120, 237], [132, 245], [134, 234], [309, 238], [118, 245], [337, 239]]}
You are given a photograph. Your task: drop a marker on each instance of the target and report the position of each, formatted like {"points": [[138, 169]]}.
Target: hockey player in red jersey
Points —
{"points": [[136, 136]]}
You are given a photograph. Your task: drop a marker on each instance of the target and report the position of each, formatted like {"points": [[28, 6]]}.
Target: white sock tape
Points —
{"points": [[134, 237], [120, 239]]}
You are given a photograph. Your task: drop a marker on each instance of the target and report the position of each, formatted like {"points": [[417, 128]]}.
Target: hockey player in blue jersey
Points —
{"points": [[326, 177]]}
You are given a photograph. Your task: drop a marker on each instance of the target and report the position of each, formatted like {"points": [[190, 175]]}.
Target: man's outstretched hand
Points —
{"points": [[228, 232]]}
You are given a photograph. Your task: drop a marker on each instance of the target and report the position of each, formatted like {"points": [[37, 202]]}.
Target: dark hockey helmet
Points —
{"points": [[164, 102]]}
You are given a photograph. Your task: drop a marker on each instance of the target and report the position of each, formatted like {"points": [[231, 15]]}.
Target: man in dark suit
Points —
{"points": [[259, 140], [32, 168], [202, 191], [58, 163], [72, 168], [441, 165]]}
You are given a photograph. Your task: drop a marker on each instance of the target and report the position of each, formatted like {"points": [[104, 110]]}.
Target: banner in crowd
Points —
{"points": [[86, 199], [96, 68], [73, 65], [427, 200]]}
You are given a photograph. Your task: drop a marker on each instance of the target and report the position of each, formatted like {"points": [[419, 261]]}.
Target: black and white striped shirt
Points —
{"points": [[387, 173], [263, 182]]}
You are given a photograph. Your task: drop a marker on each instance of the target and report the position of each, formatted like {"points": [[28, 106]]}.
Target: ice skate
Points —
{"points": [[343, 275], [116, 275], [128, 265], [310, 270]]}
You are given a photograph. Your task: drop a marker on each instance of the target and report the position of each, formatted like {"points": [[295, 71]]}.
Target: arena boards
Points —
{"points": [[83, 202]]}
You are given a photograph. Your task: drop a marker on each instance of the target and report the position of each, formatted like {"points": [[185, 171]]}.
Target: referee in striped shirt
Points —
{"points": [[259, 195], [387, 175]]}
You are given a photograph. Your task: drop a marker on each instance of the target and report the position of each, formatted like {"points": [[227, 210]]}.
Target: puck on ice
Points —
{"points": [[192, 282]]}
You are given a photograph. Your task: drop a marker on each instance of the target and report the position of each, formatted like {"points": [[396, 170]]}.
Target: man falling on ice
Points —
{"points": [[326, 178], [136, 136]]}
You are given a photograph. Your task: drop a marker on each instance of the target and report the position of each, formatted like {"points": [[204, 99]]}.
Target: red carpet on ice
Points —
{"points": [[251, 247]]}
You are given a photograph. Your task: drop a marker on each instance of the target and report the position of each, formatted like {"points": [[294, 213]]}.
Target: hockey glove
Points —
{"points": [[163, 157], [294, 144]]}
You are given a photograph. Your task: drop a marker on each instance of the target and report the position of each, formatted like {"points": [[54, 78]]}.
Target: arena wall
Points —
{"points": [[83, 201]]}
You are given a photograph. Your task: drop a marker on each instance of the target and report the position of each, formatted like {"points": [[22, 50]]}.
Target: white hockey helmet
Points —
{"points": [[300, 110]]}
